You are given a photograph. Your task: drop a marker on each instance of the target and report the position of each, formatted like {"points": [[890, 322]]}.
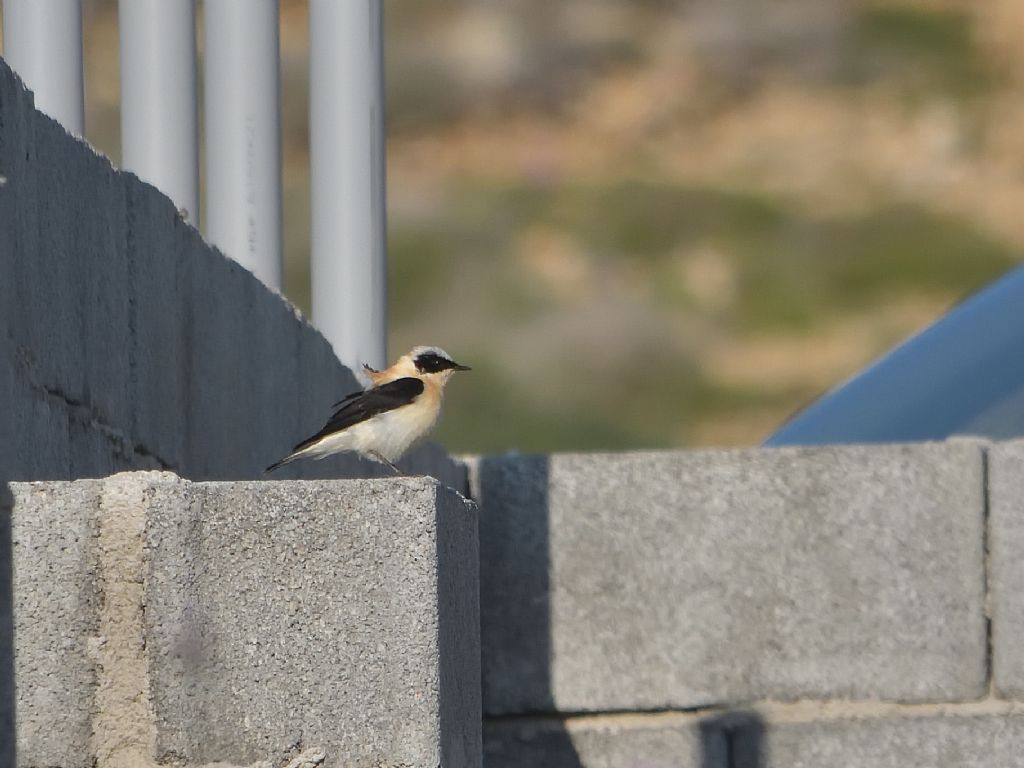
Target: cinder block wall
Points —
{"points": [[841, 606], [854, 606], [127, 342]]}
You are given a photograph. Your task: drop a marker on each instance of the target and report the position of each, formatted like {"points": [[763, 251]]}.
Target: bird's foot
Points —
{"points": [[383, 460]]}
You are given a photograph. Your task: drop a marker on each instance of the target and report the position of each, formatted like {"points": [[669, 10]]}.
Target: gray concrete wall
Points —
{"points": [[127, 342], [851, 606], [164, 622]]}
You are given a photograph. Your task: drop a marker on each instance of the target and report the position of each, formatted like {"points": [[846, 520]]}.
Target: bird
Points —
{"points": [[401, 405]]}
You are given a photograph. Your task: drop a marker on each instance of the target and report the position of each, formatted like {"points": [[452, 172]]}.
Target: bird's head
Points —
{"points": [[432, 363]]}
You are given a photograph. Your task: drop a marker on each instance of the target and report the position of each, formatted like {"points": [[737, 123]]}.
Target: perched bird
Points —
{"points": [[400, 406]]}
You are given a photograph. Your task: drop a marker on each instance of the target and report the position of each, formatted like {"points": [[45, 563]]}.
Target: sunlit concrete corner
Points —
{"points": [[163, 621]]}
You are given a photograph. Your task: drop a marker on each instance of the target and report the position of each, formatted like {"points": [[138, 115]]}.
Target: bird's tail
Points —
{"points": [[286, 460]]}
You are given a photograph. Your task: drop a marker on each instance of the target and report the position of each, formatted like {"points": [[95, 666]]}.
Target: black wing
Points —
{"points": [[360, 406], [358, 392], [349, 396]]}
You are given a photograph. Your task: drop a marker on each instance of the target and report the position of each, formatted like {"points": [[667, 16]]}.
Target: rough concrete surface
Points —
{"points": [[675, 580], [164, 622], [289, 615], [672, 741], [896, 737], [1006, 547], [909, 742], [57, 601], [457, 554], [130, 343], [123, 724]]}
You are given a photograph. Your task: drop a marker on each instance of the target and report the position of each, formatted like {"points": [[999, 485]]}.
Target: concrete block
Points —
{"points": [[13, 182], [91, 452], [17, 186], [8, 692], [335, 614], [18, 105], [892, 742], [41, 434], [516, 588], [107, 302], [618, 741], [56, 600], [68, 273], [10, 454], [63, 299], [48, 324], [163, 621], [221, 350], [1006, 545], [19, 214], [161, 252], [744, 740], [272, 324], [676, 580]]}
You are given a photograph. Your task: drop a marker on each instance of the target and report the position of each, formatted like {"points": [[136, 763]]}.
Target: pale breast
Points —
{"points": [[392, 433]]}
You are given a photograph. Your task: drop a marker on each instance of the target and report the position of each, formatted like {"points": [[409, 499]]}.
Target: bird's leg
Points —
{"points": [[381, 459]]}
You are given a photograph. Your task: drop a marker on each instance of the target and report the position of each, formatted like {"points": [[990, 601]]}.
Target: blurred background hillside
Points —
{"points": [[650, 223]]}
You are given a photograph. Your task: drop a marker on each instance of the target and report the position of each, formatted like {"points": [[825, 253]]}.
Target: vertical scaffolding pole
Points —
{"points": [[159, 128], [243, 133], [43, 44], [349, 270]]}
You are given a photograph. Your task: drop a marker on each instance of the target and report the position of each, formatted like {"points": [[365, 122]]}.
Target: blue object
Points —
{"points": [[964, 375]]}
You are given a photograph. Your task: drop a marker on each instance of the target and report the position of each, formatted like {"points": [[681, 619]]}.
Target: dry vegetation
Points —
{"points": [[670, 223]]}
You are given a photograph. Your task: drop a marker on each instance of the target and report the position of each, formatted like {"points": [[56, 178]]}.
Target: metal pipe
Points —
{"points": [[243, 134], [159, 127], [349, 270], [43, 44]]}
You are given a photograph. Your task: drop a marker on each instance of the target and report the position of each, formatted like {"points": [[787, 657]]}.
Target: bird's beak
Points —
{"points": [[458, 367]]}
